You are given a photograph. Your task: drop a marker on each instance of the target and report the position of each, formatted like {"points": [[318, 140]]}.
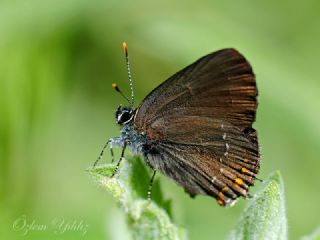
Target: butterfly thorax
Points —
{"points": [[134, 140]]}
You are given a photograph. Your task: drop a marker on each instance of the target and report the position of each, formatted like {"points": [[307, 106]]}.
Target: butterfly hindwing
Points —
{"points": [[206, 156]]}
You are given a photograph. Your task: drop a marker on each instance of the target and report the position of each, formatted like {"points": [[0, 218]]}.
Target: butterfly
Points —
{"points": [[196, 127]]}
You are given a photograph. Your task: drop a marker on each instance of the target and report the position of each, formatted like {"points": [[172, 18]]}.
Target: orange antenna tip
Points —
{"points": [[124, 46], [114, 86]]}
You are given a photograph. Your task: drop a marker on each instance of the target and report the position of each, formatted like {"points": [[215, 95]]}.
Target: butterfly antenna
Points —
{"points": [[115, 87], [125, 50]]}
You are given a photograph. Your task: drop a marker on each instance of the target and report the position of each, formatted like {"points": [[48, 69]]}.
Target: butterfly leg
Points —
{"points": [[111, 151], [121, 158], [150, 185], [110, 142], [102, 151]]}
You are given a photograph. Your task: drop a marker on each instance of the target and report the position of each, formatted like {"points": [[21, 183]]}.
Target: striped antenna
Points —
{"points": [[125, 50], [115, 87]]}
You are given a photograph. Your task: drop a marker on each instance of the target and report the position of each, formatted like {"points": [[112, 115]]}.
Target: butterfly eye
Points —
{"points": [[124, 117]]}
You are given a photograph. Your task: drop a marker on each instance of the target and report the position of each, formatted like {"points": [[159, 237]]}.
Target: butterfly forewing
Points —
{"points": [[219, 85], [198, 126]]}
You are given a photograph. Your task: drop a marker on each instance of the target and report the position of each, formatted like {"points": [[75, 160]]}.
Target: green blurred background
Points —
{"points": [[58, 60]]}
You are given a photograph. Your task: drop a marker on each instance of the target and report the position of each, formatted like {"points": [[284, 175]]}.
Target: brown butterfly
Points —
{"points": [[196, 127]]}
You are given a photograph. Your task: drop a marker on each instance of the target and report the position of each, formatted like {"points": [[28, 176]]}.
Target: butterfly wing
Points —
{"points": [[199, 126], [206, 156], [220, 85]]}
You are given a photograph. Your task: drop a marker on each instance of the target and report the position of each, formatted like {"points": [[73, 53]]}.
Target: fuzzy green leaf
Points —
{"points": [[315, 235], [264, 217], [146, 220]]}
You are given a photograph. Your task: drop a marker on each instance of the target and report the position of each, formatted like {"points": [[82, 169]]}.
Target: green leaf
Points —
{"points": [[315, 235], [264, 217], [146, 220]]}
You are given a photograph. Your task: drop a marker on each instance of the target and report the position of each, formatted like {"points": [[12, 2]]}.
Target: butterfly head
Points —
{"points": [[124, 115]]}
